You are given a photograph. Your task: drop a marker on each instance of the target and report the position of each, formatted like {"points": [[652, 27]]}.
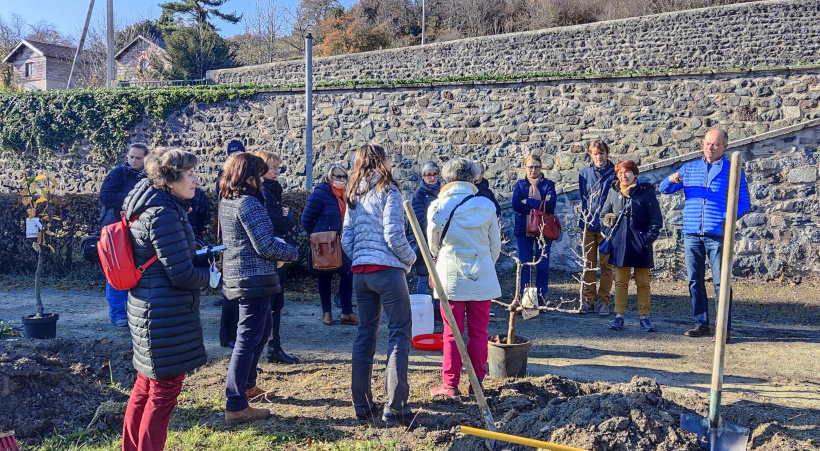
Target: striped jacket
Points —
{"points": [[706, 194], [249, 262]]}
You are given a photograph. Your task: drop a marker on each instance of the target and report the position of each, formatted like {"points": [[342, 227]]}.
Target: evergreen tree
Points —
{"points": [[196, 13], [193, 51]]}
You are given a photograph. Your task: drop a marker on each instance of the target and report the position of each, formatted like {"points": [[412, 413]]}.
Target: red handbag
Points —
{"points": [[539, 222]]}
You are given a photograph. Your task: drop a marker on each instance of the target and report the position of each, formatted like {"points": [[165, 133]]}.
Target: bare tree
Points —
{"points": [[307, 18], [586, 218], [264, 30]]}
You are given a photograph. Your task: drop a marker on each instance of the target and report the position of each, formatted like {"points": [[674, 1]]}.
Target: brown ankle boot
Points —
{"points": [[242, 416], [327, 319], [255, 392], [351, 319]]}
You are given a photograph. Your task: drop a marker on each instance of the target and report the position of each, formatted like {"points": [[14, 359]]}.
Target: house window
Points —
{"points": [[143, 66], [28, 69]]}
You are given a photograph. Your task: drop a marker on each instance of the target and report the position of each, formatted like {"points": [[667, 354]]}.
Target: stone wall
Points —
{"points": [[657, 121], [779, 33]]}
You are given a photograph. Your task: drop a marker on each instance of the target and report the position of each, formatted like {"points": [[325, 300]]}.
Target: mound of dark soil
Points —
{"points": [[55, 386], [596, 416]]}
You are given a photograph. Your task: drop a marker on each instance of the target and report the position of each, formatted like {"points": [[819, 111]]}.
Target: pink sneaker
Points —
{"points": [[446, 391]]}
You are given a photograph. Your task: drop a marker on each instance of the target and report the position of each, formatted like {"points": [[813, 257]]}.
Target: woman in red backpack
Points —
{"points": [[163, 309]]}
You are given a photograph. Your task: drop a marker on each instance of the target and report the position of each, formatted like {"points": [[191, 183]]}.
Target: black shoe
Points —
{"points": [[698, 331], [281, 357], [372, 414], [218, 302], [404, 420]]}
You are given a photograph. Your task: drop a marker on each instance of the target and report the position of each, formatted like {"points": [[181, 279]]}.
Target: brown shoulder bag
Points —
{"points": [[326, 250]]}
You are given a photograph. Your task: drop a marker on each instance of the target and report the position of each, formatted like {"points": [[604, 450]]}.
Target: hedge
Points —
{"points": [[79, 215]]}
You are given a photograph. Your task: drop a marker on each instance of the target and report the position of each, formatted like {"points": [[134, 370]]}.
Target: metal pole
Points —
{"points": [[423, 20], [80, 45], [109, 34], [309, 112]]}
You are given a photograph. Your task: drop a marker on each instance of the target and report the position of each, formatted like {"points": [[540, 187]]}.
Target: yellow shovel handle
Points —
{"points": [[516, 439]]}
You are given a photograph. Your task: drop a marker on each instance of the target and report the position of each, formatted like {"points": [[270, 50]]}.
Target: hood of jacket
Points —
{"points": [[471, 214], [145, 196]]}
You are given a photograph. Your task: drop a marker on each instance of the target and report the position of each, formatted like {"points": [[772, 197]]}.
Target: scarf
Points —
{"points": [[625, 190], [534, 192], [341, 197]]}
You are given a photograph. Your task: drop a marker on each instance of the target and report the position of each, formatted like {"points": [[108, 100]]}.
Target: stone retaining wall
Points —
{"points": [[777, 33], [647, 119]]}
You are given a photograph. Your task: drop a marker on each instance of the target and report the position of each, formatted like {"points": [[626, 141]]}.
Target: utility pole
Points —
{"points": [[423, 20], [309, 111], [109, 35], [80, 45]]}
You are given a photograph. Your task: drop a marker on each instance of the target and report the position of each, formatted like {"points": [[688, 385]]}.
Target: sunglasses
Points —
{"points": [[430, 175], [339, 177]]}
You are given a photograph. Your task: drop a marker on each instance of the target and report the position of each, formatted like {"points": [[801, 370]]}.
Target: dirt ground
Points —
{"points": [[588, 386]]}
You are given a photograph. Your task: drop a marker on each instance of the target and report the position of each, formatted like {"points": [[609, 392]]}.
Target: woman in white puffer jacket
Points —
{"points": [[466, 255]]}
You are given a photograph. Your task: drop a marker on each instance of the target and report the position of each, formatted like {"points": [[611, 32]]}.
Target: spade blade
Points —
{"points": [[729, 437]]}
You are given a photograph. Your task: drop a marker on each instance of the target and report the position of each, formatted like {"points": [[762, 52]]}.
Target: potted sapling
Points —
{"points": [[37, 195]]}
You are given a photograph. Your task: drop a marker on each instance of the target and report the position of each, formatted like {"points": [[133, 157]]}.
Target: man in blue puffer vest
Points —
{"points": [[705, 184]]}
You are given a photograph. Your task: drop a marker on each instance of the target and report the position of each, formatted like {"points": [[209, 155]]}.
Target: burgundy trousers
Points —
{"points": [[148, 413], [478, 319]]}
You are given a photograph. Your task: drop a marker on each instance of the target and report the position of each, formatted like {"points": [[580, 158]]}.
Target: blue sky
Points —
{"points": [[69, 15]]}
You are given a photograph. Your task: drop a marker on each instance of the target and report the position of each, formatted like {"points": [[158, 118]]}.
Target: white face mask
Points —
{"points": [[339, 184]]}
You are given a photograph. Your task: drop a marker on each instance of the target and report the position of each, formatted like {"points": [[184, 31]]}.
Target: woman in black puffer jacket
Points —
{"points": [[249, 266], [163, 309]]}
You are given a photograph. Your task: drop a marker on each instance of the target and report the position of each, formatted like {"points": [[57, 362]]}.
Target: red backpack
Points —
{"points": [[117, 257]]}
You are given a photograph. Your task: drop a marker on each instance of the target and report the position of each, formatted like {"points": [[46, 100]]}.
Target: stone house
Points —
{"points": [[138, 60], [40, 66]]}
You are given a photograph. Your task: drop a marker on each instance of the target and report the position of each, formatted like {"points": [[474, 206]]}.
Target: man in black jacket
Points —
{"points": [[594, 183], [116, 186]]}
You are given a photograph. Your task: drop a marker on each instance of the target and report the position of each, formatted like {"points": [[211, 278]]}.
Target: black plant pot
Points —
{"points": [[41, 327], [508, 360]]}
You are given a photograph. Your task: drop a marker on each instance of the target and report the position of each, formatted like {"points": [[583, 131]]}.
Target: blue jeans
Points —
{"points": [[255, 321], [698, 249], [528, 252], [117, 299], [379, 291]]}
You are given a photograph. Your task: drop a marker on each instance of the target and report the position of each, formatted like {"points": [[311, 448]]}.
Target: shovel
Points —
{"points": [[486, 415], [712, 432]]}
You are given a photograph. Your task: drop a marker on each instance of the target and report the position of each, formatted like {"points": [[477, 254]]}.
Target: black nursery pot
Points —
{"points": [[41, 327], [508, 360]]}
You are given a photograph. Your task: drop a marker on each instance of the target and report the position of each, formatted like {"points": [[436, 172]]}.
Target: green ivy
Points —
{"points": [[43, 121]]}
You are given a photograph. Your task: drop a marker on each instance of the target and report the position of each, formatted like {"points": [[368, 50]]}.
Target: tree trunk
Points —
{"points": [[37, 277]]}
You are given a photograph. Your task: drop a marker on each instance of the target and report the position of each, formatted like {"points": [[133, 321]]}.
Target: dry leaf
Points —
{"points": [[40, 177], [40, 200]]}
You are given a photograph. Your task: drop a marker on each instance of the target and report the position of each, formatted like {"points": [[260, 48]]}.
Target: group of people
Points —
{"points": [[460, 219]]}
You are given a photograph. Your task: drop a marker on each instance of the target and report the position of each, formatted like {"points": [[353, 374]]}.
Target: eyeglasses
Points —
{"points": [[533, 167], [430, 175], [339, 177]]}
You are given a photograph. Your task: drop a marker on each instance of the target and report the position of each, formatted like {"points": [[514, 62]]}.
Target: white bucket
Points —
{"points": [[422, 308]]}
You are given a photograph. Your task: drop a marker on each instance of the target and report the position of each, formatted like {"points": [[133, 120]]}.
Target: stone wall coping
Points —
{"points": [[487, 40], [520, 80], [734, 146]]}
